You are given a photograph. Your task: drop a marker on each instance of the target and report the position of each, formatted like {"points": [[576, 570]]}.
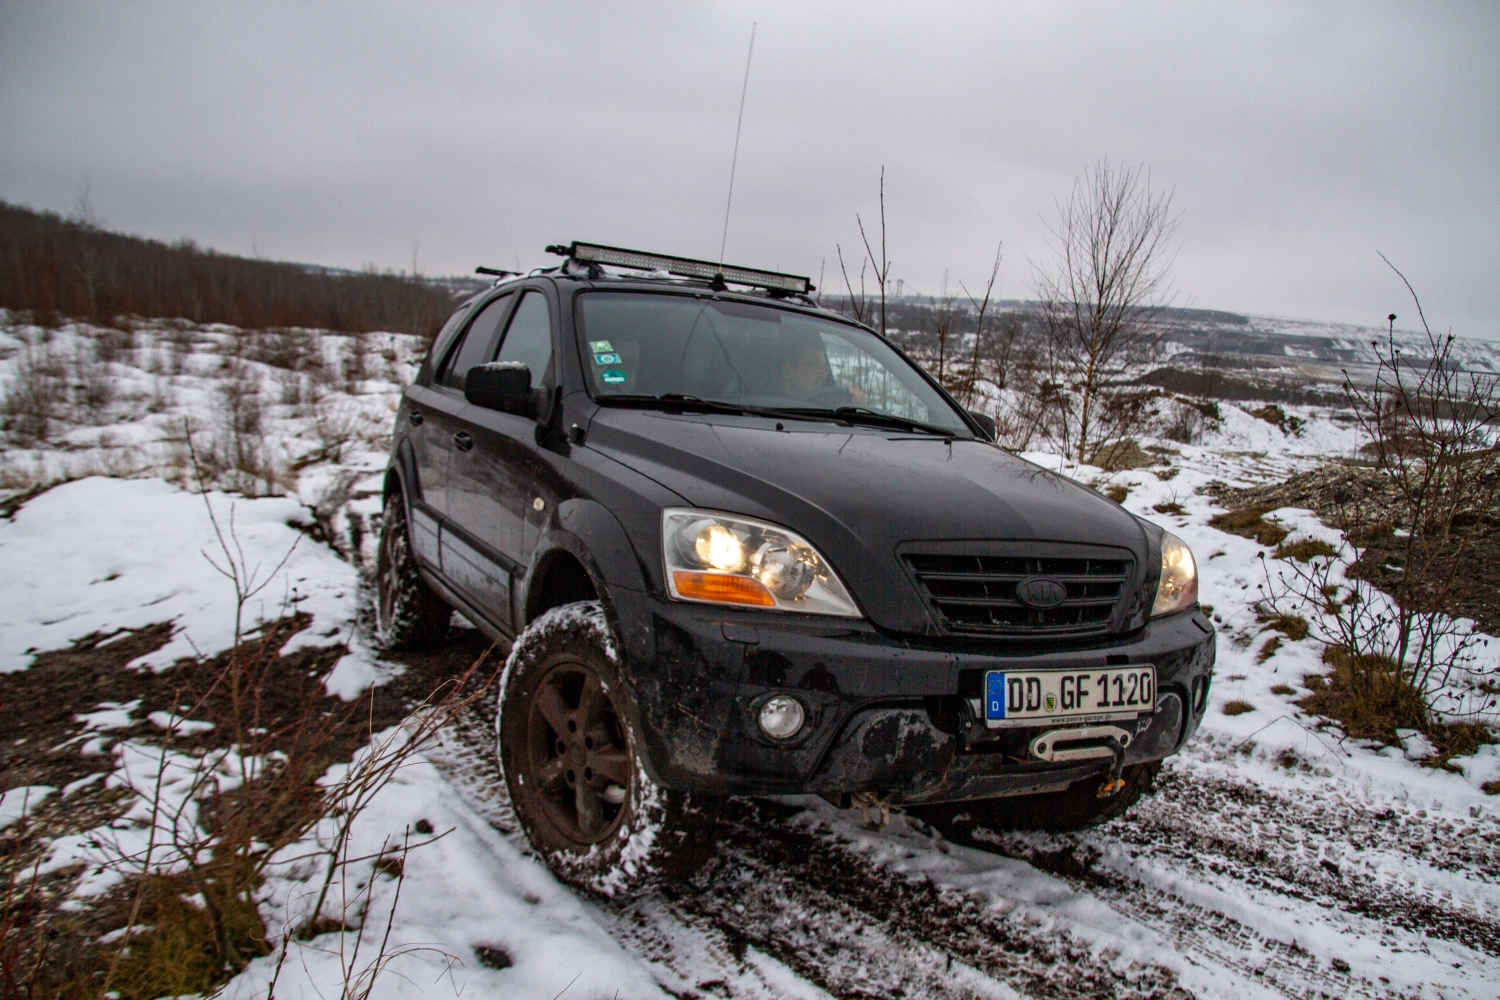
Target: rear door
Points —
{"points": [[443, 435], [495, 486]]}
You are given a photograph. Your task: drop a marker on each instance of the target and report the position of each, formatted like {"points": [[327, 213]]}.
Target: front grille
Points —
{"points": [[976, 594]]}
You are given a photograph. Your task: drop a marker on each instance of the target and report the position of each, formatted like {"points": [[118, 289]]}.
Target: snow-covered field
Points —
{"points": [[1275, 859]]}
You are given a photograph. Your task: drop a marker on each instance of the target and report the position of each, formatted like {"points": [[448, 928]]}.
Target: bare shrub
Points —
{"points": [[290, 348], [1387, 615], [356, 361], [1187, 420], [181, 340], [1101, 299], [239, 453], [93, 388], [37, 393], [292, 385], [336, 427]]}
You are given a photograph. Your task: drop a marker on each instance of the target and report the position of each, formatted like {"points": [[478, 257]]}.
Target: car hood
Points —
{"points": [[859, 493]]}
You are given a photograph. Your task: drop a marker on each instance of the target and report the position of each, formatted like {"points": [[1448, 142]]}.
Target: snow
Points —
{"points": [[466, 885], [99, 554], [110, 715], [21, 801]]}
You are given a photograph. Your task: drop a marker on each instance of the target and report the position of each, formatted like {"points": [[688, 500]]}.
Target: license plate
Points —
{"points": [[1045, 697]]}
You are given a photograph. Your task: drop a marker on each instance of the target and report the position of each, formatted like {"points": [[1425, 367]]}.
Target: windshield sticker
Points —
{"points": [[606, 359], [600, 346], [612, 375]]}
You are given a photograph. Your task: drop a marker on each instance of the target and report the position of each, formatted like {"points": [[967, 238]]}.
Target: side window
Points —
{"points": [[529, 337], [476, 344]]}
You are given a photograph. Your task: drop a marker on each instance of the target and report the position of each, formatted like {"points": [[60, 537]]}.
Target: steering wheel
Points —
{"points": [[831, 396]]}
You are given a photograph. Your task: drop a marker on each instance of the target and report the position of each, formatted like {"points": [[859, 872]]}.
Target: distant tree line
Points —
{"points": [[70, 266]]}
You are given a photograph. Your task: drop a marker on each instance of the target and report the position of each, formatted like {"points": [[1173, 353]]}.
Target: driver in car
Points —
{"points": [[805, 376]]}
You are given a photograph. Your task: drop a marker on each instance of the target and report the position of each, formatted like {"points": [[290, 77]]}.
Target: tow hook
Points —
{"points": [[1112, 780], [875, 809]]}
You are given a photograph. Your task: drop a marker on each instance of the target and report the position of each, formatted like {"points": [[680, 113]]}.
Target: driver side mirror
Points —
{"points": [[503, 386], [986, 424]]}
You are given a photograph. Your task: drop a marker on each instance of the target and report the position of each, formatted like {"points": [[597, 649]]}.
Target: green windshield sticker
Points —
{"points": [[613, 376], [606, 359], [600, 346]]}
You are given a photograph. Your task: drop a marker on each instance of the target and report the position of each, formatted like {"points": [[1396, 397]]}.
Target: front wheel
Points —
{"points": [[571, 760], [1077, 807]]}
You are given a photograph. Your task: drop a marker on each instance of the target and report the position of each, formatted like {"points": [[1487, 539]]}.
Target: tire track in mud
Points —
{"points": [[856, 927], [838, 921], [1338, 856], [858, 930]]}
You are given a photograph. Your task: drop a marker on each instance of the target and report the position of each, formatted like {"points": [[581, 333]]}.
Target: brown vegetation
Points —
{"points": [[53, 266], [1249, 522]]}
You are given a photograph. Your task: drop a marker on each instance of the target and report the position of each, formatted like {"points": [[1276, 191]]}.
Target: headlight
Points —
{"points": [[720, 559], [1178, 589]]}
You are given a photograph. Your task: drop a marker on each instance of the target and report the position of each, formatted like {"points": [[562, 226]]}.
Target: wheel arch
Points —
{"points": [[584, 555]]}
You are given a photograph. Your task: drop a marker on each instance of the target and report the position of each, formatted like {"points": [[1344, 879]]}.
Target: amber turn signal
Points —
{"points": [[723, 589]]}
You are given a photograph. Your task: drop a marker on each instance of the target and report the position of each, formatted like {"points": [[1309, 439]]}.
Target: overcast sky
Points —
{"points": [[1300, 139]]}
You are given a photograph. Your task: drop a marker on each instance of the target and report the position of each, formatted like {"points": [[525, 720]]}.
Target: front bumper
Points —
{"points": [[885, 714]]}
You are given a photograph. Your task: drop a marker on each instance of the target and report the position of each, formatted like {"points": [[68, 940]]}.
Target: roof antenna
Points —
{"points": [[736, 159]]}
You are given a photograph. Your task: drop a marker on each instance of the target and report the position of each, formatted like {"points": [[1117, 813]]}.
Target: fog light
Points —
{"points": [[782, 717]]}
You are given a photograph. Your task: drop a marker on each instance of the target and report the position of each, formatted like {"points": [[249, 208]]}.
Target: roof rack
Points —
{"points": [[717, 275]]}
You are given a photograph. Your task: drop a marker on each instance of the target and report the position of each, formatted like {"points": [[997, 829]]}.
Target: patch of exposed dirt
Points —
{"points": [[46, 742], [1361, 503]]}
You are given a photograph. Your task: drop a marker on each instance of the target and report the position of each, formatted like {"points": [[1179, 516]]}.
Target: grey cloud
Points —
{"points": [[1299, 139]]}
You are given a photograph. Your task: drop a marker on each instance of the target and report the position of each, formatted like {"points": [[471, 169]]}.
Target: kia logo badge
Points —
{"points": [[1041, 592]]}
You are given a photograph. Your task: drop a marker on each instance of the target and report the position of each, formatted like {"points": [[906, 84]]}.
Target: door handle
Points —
{"points": [[462, 441], [415, 416]]}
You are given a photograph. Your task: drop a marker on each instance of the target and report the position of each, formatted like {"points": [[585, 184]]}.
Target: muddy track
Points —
{"points": [[804, 887], [860, 930]]}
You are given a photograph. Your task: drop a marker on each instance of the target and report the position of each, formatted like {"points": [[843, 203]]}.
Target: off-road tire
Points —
{"points": [[408, 613], [1078, 807], [567, 746]]}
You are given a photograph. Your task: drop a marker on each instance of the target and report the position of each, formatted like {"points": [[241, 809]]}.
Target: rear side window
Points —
{"points": [[477, 343], [529, 338]]}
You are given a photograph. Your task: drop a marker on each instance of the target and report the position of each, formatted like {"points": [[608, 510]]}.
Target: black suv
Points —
{"points": [[740, 544]]}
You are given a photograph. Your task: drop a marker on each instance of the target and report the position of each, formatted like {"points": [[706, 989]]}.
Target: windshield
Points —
{"points": [[645, 345]]}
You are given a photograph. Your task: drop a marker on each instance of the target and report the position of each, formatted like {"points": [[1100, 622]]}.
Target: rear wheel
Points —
{"points": [[408, 613], [571, 761], [1075, 808]]}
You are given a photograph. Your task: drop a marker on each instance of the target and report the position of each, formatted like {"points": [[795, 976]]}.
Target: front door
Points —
{"points": [[493, 487]]}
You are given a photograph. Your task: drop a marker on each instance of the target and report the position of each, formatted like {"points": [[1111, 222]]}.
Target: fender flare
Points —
{"points": [[590, 533]]}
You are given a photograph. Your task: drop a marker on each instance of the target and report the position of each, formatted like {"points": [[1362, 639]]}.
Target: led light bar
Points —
{"points": [[593, 253]]}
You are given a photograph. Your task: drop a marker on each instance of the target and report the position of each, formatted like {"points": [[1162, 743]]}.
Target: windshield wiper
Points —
{"points": [[678, 402], [873, 418]]}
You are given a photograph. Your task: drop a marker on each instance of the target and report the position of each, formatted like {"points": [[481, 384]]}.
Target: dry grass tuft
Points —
{"points": [[1305, 550], [1273, 414], [1250, 522], [1294, 627], [1121, 456], [1282, 689], [1238, 707], [1367, 696], [1168, 507], [1116, 492]]}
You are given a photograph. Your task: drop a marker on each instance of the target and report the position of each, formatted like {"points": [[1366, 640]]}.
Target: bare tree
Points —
{"points": [[1102, 294], [981, 306], [861, 307]]}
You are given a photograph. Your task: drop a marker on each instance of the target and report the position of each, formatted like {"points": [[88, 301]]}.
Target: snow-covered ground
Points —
{"points": [[1275, 859]]}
